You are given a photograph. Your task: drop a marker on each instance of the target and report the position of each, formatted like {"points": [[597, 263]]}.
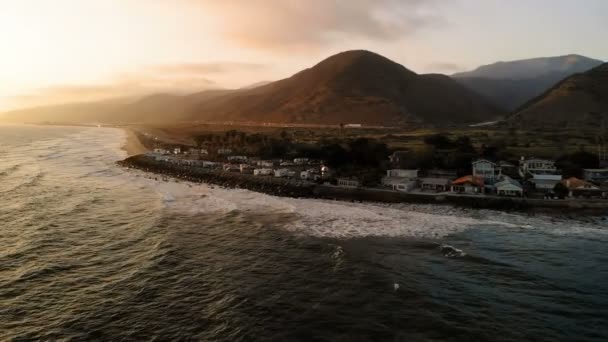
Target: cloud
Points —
{"points": [[444, 67], [206, 68], [284, 24]]}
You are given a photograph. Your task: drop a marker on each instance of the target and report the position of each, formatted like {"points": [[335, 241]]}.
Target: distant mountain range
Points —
{"points": [[350, 87], [511, 84], [364, 87], [580, 100]]}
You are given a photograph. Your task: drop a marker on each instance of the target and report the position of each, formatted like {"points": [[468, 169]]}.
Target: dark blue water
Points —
{"points": [[89, 251]]}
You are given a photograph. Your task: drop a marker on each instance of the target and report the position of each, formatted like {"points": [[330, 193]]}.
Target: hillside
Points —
{"points": [[350, 87], [578, 101], [511, 84], [353, 87]]}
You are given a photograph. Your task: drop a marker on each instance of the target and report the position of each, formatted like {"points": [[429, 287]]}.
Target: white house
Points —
{"points": [[262, 172], [301, 161], [177, 150], [509, 187], [545, 181], [530, 167], [281, 173], [348, 183], [401, 179], [486, 169], [436, 184], [265, 163]]}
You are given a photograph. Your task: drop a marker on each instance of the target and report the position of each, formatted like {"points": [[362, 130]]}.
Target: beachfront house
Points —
{"points": [[265, 163], [177, 150], [486, 169], [596, 175], [509, 187], [348, 183], [530, 167], [581, 188], [435, 184], [468, 184], [310, 175], [545, 182], [262, 172], [401, 179]]}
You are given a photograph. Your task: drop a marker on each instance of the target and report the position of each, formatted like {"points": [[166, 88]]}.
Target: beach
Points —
{"points": [[132, 144]]}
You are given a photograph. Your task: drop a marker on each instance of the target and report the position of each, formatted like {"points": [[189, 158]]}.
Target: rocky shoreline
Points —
{"points": [[301, 189]]}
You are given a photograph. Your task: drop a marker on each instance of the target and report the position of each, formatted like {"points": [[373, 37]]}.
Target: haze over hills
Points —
{"points": [[350, 87], [511, 84], [580, 100]]}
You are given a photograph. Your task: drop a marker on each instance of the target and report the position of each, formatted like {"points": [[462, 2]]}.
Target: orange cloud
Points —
{"points": [[285, 24]]}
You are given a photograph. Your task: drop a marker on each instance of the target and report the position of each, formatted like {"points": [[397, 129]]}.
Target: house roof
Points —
{"points": [[472, 180], [508, 181], [576, 183]]}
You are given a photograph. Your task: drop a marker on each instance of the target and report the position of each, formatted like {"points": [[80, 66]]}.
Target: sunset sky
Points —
{"points": [[65, 50]]}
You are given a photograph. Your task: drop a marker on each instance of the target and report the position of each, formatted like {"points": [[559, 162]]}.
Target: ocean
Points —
{"points": [[91, 251]]}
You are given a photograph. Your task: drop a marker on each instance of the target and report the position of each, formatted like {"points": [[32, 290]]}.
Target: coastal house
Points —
{"points": [[262, 172], [541, 173], [509, 187], [348, 183], [203, 152], [596, 175], [486, 169], [545, 182], [177, 150], [301, 161], [581, 188], [310, 175], [280, 173], [401, 179], [530, 167], [468, 184], [265, 163], [435, 184]]}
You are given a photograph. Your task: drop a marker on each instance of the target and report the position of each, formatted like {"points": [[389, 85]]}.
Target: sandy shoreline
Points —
{"points": [[132, 144]]}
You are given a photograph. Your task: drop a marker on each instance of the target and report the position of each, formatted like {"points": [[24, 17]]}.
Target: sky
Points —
{"points": [[56, 51]]}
